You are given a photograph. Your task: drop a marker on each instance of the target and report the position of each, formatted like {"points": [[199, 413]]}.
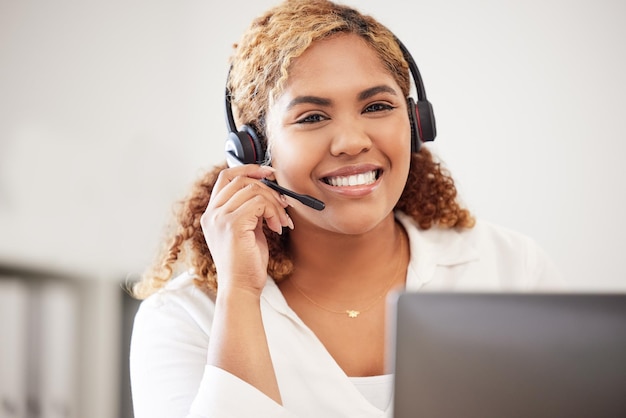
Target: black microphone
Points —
{"points": [[302, 198], [305, 199]]}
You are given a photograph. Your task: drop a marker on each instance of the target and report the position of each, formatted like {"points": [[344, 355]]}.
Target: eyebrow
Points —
{"points": [[309, 99], [320, 101], [366, 94]]}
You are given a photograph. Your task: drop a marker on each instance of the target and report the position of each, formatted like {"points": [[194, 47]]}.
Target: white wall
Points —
{"points": [[109, 109]]}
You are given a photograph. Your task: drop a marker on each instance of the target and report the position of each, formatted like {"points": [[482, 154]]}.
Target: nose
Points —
{"points": [[350, 138]]}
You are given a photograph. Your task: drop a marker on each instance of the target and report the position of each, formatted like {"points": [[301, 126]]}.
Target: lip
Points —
{"points": [[355, 190], [351, 170]]}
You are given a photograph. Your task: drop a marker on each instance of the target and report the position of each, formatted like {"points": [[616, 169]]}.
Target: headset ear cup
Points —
{"points": [[426, 121], [255, 142], [239, 149], [244, 146], [415, 137]]}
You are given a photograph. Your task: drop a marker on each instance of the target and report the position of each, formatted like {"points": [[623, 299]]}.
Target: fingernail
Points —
{"points": [[286, 201], [290, 222]]}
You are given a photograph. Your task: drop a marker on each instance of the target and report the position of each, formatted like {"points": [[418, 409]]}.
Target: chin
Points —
{"points": [[361, 221]]}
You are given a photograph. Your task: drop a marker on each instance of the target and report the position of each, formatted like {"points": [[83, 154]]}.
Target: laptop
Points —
{"points": [[508, 355]]}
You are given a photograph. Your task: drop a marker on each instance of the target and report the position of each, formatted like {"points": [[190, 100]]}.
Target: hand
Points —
{"points": [[233, 226]]}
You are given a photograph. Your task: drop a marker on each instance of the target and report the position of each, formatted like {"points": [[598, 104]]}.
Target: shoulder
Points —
{"points": [[178, 301], [487, 233], [489, 252], [483, 235], [168, 348], [516, 252]]}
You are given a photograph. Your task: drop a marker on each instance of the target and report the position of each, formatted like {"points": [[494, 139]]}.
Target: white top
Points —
{"points": [[170, 377], [378, 390]]}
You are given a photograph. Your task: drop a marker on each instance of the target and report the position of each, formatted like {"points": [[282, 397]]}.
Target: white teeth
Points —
{"points": [[354, 180]]}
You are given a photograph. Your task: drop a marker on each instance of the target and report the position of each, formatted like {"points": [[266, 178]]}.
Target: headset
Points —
{"points": [[244, 145], [421, 115]]}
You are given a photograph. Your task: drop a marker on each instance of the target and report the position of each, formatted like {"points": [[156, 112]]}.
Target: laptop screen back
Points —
{"points": [[486, 355]]}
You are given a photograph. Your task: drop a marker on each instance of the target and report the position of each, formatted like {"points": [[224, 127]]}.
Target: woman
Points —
{"points": [[281, 311]]}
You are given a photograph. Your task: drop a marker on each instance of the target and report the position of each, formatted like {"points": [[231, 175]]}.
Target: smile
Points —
{"points": [[361, 179]]}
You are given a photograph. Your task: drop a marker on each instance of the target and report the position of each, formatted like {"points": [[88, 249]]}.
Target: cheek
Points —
{"points": [[395, 142], [397, 147], [293, 159]]}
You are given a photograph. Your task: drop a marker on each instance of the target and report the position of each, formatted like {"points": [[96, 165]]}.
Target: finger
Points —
{"points": [[255, 209], [248, 170], [267, 203], [220, 197], [231, 180], [244, 210], [243, 189]]}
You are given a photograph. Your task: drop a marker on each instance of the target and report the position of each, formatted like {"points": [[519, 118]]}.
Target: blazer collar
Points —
{"points": [[432, 248]]}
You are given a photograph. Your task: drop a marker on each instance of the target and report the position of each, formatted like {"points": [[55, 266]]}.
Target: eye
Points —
{"points": [[312, 118], [378, 107]]}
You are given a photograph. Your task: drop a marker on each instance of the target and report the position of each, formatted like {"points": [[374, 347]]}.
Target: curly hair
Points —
{"points": [[259, 70]]}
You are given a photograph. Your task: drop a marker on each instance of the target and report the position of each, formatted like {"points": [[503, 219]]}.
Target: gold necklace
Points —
{"points": [[354, 313]]}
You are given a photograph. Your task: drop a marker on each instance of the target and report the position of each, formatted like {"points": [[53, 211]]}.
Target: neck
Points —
{"points": [[345, 263]]}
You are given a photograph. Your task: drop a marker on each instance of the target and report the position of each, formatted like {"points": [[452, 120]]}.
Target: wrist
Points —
{"points": [[238, 295]]}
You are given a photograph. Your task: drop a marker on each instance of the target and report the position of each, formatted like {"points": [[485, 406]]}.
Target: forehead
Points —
{"points": [[340, 60]]}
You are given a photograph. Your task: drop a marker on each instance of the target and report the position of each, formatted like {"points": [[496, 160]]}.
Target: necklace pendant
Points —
{"points": [[352, 313]]}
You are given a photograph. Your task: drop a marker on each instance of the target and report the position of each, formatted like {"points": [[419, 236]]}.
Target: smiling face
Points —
{"points": [[340, 132]]}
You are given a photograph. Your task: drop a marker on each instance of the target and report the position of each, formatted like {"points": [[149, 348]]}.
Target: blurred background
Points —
{"points": [[110, 109]]}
